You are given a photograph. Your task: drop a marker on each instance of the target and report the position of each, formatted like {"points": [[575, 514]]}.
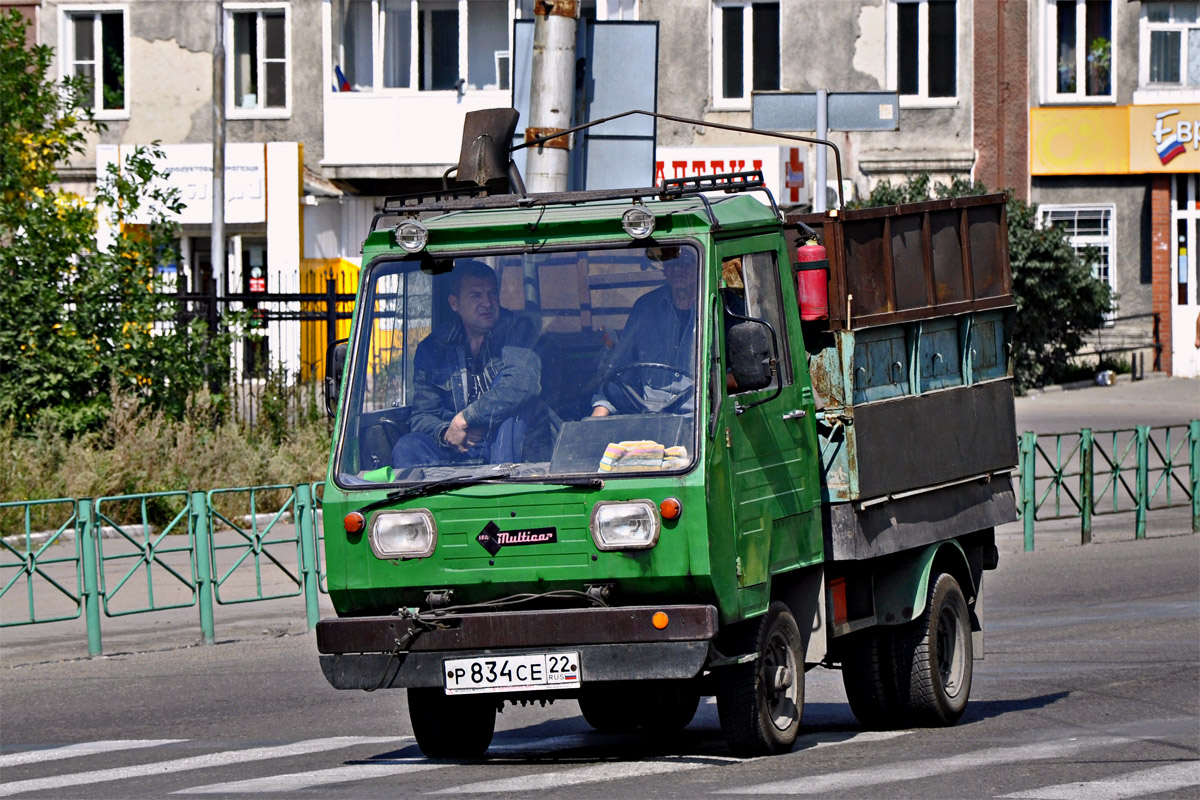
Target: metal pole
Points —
{"points": [[85, 527], [202, 542], [1086, 484], [306, 518], [1143, 479], [1028, 487], [819, 190], [551, 93], [218, 174], [1194, 471]]}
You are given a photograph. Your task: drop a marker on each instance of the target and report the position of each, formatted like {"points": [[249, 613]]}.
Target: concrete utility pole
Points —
{"points": [[218, 175], [551, 93]]}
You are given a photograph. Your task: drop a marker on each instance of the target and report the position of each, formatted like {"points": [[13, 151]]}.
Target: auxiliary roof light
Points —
{"points": [[638, 222], [411, 236]]}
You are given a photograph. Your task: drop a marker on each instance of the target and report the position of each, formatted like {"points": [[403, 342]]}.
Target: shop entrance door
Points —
{"points": [[1185, 277]]}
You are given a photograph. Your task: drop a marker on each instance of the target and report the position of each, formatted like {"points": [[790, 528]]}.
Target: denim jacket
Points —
{"points": [[510, 379]]}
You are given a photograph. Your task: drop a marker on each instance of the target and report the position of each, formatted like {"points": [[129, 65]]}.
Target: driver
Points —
{"points": [[661, 328], [477, 379]]}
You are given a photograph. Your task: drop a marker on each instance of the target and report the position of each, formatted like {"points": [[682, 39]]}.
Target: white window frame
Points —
{"points": [[66, 40], [1049, 57], [719, 100], [415, 8], [1078, 242], [1148, 92], [921, 99], [232, 110]]}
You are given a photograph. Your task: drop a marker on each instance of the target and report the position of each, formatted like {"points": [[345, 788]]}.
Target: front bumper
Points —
{"points": [[614, 644]]}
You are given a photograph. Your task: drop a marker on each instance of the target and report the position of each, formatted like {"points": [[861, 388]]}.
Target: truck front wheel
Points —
{"points": [[760, 703], [932, 657], [451, 727]]}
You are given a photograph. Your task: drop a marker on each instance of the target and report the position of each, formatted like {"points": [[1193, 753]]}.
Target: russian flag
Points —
{"points": [[1169, 149], [343, 85]]}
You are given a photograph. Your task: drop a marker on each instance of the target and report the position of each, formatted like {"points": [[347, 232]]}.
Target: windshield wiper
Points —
{"points": [[437, 487]]}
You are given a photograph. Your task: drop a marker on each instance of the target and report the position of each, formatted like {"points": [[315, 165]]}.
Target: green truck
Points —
{"points": [[636, 447]]}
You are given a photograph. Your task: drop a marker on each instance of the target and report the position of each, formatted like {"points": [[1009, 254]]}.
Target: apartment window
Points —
{"points": [[257, 69], [1170, 45], [923, 51], [1079, 52], [745, 51], [94, 45], [423, 45], [1088, 226]]}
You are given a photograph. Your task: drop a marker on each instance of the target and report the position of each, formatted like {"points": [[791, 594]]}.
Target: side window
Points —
{"points": [[750, 288], [94, 49]]}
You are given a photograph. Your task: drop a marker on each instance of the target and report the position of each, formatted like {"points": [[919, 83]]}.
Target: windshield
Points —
{"points": [[551, 364]]}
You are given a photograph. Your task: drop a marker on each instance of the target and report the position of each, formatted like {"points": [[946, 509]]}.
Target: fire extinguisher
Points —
{"points": [[812, 279]]}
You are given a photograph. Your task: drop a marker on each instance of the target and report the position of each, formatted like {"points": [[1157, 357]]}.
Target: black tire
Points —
{"points": [[667, 706], [607, 709], [867, 676], [932, 657], [760, 703], [451, 726]]}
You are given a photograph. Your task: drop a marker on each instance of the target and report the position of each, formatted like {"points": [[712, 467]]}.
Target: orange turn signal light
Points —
{"points": [[354, 522], [660, 620], [670, 508]]}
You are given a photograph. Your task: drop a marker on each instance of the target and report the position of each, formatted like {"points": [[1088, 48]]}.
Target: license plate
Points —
{"points": [[523, 673]]}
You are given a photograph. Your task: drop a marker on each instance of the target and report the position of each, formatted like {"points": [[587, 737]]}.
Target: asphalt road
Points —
{"points": [[1155, 401], [1090, 689]]}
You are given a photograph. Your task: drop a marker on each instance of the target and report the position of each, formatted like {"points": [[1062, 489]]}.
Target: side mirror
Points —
{"points": [[335, 366], [751, 356]]}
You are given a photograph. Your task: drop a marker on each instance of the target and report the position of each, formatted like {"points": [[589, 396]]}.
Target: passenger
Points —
{"points": [[661, 328], [477, 380]]}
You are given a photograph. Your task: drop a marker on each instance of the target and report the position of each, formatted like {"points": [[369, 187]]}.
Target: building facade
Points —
{"points": [[332, 105], [1115, 100]]}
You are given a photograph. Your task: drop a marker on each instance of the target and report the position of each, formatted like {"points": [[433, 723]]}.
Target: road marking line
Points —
{"points": [[190, 763], [383, 768], [596, 773], [656, 766], [80, 750], [914, 770], [1156, 780]]}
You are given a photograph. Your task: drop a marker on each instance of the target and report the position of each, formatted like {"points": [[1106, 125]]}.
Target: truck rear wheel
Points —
{"points": [[867, 676], [449, 726], [760, 703], [932, 657]]}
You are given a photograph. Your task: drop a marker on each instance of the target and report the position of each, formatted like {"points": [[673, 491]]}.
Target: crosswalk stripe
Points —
{"points": [[656, 766], [1156, 780], [79, 750], [914, 770], [597, 773], [383, 768], [189, 763]]}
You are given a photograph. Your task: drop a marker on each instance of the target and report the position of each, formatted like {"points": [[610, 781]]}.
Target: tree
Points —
{"points": [[78, 319], [1058, 299]]}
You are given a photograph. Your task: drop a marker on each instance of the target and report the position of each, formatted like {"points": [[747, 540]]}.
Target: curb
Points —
{"points": [[1077, 385]]}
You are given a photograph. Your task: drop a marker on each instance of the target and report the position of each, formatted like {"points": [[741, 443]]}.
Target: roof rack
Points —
{"points": [[469, 198]]}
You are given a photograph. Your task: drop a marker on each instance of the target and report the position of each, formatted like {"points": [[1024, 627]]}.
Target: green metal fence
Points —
{"points": [[60, 566], [111, 560], [1089, 473]]}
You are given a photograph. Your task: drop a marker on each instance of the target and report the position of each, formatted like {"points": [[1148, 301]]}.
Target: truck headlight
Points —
{"points": [[631, 525], [403, 534]]}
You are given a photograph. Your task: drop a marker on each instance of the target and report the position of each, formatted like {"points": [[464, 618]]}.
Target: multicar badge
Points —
{"points": [[492, 538]]}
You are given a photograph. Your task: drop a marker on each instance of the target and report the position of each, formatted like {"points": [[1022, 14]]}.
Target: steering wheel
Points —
{"points": [[391, 429], [630, 398]]}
